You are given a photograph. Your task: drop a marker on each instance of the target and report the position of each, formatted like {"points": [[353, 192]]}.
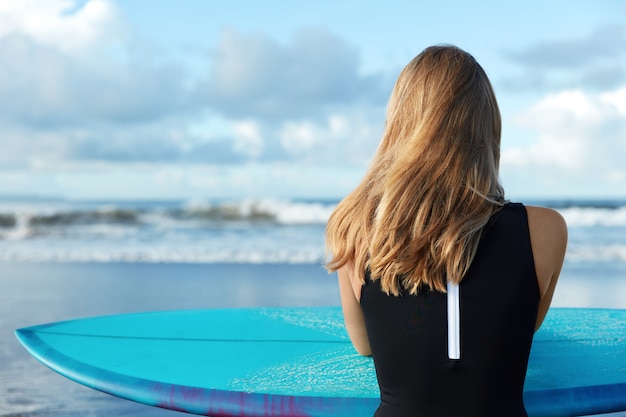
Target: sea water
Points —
{"points": [[247, 231], [63, 259], [250, 231]]}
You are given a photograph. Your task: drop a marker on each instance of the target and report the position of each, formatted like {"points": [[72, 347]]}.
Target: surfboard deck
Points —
{"points": [[299, 361]]}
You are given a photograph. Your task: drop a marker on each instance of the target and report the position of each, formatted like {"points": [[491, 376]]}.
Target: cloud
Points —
{"points": [[341, 139], [41, 86], [66, 148], [304, 100], [153, 144], [581, 140], [59, 68], [64, 25], [78, 89], [596, 62], [253, 76], [67, 97], [607, 43]]}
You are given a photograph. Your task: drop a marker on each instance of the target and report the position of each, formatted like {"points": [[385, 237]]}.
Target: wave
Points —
{"points": [[29, 221], [244, 211], [273, 211], [246, 231], [594, 216], [20, 222]]}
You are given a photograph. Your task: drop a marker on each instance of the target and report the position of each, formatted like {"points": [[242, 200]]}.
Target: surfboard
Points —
{"points": [[300, 362]]}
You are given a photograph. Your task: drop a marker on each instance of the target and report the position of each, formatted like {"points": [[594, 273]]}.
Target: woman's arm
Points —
{"points": [[548, 238], [352, 314]]}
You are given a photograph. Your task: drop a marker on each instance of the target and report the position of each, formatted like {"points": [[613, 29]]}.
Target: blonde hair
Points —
{"points": [[416, 217]]}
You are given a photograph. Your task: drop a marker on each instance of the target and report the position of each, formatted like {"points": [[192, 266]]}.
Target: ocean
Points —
{"points": [[63, 259]]}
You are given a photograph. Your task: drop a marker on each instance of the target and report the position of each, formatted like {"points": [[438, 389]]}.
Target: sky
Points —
{"points": [[199, 99]]}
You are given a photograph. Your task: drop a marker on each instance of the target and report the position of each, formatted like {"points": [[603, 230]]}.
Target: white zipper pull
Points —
{"points": [[454, 322]]}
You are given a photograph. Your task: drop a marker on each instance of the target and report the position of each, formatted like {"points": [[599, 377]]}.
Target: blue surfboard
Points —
{"points": [[300, 362]]}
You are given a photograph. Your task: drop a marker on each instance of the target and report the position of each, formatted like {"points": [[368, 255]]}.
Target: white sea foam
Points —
{"points": [[246, 231], [594, 216], [300, 213]]}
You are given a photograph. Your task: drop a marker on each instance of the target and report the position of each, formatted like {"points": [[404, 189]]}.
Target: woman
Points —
{"points": [[442, 280]]}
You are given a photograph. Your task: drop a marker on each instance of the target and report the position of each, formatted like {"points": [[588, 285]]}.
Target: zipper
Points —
{"points": [[454, 322]]}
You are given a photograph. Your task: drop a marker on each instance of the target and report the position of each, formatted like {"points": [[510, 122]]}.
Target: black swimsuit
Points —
{"points": [[408, 335]]}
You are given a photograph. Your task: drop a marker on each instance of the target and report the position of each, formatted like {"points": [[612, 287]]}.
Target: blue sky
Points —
{"points": [[154, 99]]}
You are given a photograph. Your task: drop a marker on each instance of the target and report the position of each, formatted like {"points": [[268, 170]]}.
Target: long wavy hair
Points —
{"points": [[416, 217]]}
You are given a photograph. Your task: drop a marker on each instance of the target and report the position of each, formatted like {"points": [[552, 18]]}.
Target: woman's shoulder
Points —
{"points": [[544, 220]]}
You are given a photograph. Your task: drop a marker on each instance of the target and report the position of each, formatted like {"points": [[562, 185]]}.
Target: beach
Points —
{"points": [[61, 261]]}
